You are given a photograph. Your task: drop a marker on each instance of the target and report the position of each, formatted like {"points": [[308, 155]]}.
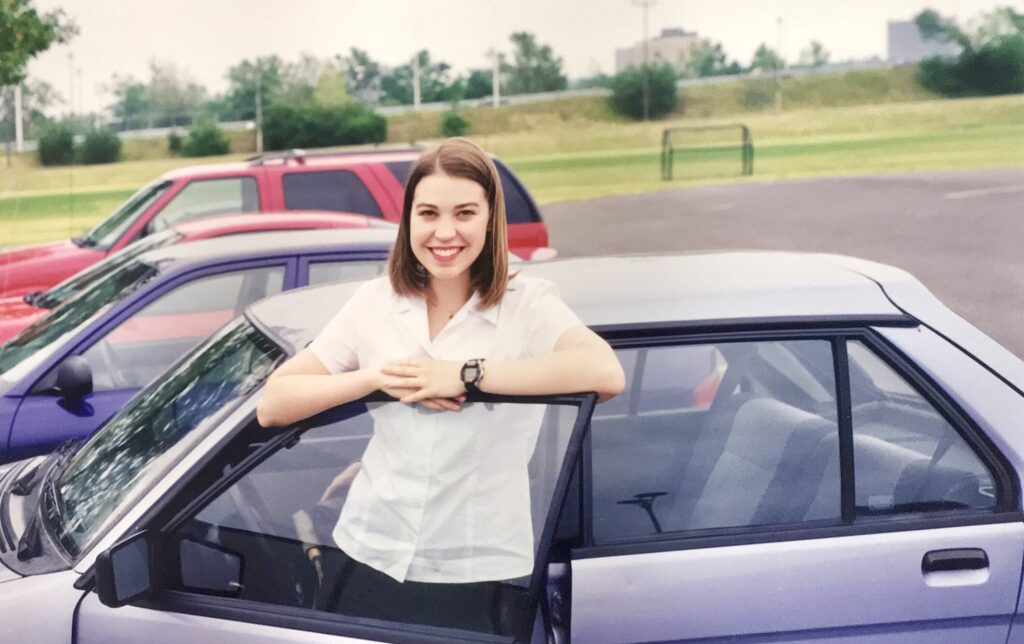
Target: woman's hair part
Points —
{"points": [[488, 275]]}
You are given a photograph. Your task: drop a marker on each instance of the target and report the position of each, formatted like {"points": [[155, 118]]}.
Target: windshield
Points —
{"points": [[102, 270], [138, 445], [43, 336], [110, 229]]}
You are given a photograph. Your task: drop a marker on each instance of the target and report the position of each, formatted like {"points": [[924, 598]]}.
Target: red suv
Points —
{"points": [[367, 182]]}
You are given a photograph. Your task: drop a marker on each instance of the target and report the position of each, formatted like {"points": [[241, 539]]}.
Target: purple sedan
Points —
{"points": [[809, 448]]}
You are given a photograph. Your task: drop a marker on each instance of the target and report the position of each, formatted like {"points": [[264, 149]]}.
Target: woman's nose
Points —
{"points": [[445, 228]]}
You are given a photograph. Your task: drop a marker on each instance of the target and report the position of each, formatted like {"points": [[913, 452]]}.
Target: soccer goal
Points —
{"points": [[706, 150]]}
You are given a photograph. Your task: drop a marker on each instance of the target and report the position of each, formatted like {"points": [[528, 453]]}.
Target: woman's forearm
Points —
{"points": [[571, 370], [288, 398]]}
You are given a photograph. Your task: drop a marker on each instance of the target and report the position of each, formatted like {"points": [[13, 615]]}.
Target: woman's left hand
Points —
{"points": [[431, 379]]}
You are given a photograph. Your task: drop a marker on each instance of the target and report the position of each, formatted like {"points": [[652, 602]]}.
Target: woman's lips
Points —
{"points": [[446, 254]]}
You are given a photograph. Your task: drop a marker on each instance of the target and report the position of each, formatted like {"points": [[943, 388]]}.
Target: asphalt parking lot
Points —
{"points": [[958, 232]]}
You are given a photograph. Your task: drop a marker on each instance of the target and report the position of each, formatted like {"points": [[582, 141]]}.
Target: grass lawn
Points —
{"points": [[585, 158]]}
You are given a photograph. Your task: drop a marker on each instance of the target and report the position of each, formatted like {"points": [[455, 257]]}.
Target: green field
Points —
{"points": [[561, 157]]}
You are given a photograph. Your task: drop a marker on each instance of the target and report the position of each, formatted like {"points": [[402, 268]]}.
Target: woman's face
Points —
{"points": [[448, 224]]}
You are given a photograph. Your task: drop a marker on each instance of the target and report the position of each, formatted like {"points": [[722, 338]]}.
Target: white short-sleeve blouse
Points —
{"points": [[443, 496]]}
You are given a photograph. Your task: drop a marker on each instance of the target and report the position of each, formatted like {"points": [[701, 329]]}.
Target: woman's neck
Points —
{"points": [[447, 294]]}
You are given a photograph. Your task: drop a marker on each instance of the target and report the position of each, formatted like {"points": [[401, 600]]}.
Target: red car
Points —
{"points": [[368, 183], [17, 312]]}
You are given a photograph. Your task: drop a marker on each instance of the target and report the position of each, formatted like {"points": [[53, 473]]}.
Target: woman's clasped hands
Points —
{"points": [[434, 384]]}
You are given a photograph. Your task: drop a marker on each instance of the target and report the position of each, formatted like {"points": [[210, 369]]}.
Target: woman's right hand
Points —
{"points": [[392, 386]]}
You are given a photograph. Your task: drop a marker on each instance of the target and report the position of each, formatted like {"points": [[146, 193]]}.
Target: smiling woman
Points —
{"points": [[447, 322]]}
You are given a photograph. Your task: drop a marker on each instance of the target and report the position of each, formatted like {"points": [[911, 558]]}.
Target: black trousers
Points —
{"points": [[353, 588]]}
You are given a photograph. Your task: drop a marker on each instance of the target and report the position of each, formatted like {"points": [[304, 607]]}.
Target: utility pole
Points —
{"points": [[495, 56], [778, 64], [259, 109], [645, 5], [416, 81], [19, 132]]}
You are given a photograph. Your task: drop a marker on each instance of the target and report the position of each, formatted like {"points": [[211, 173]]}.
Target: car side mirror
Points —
{"points": [[124, 573], [74, 380]]}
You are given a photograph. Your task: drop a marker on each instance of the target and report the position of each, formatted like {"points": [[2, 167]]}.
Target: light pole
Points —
{"points": [[645, 5], [416, 81], [259, 109]]}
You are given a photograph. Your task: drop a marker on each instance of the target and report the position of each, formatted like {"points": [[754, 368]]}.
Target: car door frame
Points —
{"points": [[838, 331], [305, 261], [188, 493]]}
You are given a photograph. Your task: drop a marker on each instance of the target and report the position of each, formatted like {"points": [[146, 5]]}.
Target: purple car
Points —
{"points": [[67, 373], [809, 448]]}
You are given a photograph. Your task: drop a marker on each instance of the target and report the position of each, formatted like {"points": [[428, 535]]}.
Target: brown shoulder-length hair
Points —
{"points": [[488, 275]]}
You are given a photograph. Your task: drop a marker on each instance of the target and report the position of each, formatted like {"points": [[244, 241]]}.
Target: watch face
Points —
{"points": [[470, 372]]}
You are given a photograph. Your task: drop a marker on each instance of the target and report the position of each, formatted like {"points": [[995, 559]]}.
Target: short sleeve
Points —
{"points": [[336, 344], [550, 317]]}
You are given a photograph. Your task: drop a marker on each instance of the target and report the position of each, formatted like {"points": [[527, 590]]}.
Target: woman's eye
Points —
{"points": [[465, 213], [426, 213]]}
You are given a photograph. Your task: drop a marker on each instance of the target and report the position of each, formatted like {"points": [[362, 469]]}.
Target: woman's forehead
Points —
{"points": [[440, 189]]}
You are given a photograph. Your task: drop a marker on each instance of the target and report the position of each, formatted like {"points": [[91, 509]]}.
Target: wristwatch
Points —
{"points": [[472, 373]]}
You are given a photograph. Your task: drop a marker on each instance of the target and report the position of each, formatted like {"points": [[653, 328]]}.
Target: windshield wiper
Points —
{"points": [[32, 298], [50, 503], [83, 241]]}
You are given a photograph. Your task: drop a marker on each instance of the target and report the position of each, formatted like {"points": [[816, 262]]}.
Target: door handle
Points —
{"points": [[954, 559]]}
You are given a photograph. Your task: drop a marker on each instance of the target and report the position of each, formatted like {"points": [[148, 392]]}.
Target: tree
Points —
{"points": [[706, 59], [396, 84], [767, 59], [243, 79], [131, 101], [479, 84], [363, 75], [25, 33], [815, 55], [173, 97], [534, 68], [627, 91], [991, 59]]}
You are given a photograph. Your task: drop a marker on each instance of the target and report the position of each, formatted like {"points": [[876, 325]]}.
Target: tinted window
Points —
{"points": [[338, 190], [717, 435], [283, 517], [339, 271], [206, 198], [144, 345], [517, 206], [907, 456]]}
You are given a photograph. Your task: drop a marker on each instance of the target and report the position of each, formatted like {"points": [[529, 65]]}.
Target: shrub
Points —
{"points": [[628, 91], [757, 94], [205, 139], [993, 69], [100, 146], [453, 123], [315, 125], [174, 143], [57, 145]]}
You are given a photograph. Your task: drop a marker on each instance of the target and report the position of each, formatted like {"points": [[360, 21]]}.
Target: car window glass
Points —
{"points": [[907, 456], [517, 207], [400, 170], [337, 190], [208, 197], [716, 436], [337, 271], [145, 344], [451, 545]]}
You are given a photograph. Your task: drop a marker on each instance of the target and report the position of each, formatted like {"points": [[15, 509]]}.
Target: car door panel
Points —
{"points": [[859, 588], [42, 422]]}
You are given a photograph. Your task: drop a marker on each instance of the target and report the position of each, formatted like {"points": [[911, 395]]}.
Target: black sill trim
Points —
{"points": [[731, 325], [796, 532], [304, 620]]}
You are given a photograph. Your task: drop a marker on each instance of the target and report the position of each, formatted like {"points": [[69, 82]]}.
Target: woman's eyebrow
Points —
{"points": [[426, 205], [468, 203]]}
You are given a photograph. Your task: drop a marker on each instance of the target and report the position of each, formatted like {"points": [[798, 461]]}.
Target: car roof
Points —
{"points": [[714, 289], [275, 243], [284, 220], [296, 159], [654, 289]]}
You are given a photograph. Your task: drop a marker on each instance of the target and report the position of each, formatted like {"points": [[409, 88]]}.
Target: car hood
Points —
{"points": [[32, 268], [15, 315]]}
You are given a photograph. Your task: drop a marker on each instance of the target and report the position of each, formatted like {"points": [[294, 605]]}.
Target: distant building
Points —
{"points": [[673, 46], [907, 46]]}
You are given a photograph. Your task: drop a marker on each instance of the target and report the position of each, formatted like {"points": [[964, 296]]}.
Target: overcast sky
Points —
{"points": [[206, 37]]}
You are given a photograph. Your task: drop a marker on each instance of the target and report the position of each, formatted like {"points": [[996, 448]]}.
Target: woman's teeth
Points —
{"points": [[445, 252]]}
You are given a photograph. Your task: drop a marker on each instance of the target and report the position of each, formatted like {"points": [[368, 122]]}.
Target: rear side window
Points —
{"points": [[518, 208], [336, 190]]}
